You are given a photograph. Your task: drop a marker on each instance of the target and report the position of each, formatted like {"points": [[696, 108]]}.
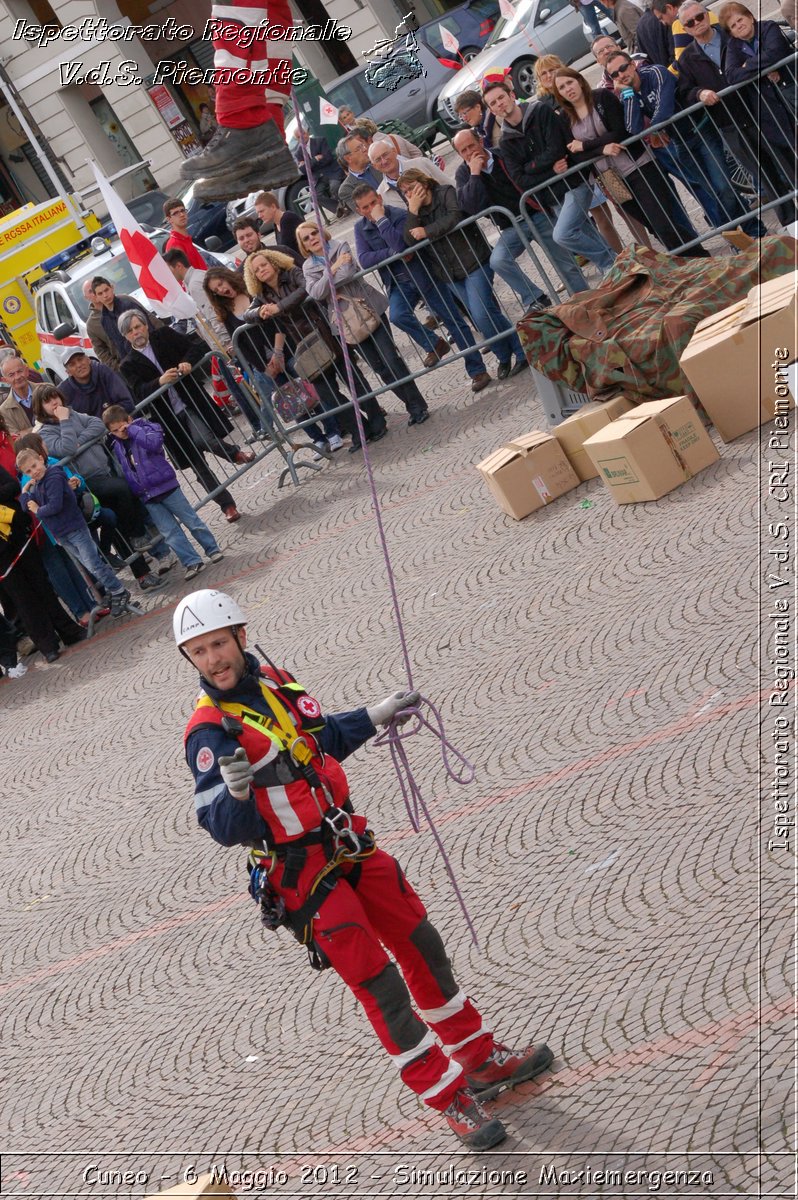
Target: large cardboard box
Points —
{"points": [[574, 431], [651, 450], [732, 362], [527, 474]]}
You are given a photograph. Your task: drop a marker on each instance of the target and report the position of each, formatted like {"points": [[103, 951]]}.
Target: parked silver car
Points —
{"points": [[539, 27]]}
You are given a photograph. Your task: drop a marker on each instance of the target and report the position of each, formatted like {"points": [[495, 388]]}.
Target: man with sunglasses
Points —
{"points": [[681, 35], [692, 152]]}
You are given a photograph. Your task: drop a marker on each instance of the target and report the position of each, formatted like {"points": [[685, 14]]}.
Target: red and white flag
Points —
{"points": [[450, 42], [506, 9], [157, 282], [328, 113]]}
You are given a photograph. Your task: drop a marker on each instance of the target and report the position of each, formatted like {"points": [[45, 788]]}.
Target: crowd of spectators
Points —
{"points": [[88, 483]]}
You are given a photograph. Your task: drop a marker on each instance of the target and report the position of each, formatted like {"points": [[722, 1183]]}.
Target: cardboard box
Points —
{"points": [[651, 450], [574, 431], [730, 359], [527, 474]]}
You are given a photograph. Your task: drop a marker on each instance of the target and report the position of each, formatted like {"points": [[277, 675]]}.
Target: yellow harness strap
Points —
{"points": [[280, 728]]}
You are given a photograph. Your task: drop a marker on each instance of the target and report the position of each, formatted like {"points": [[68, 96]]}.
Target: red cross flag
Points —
{"points": [[450, 42], [506, 9], [155, 279], [328, 113]]}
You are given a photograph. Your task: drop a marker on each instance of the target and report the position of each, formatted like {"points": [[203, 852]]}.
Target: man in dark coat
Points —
{"points": [[92, 387], [326, 172], [102, 323], [191, 422]]}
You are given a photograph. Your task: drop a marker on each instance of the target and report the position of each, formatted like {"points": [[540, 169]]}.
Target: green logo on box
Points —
{"points": [[619, 471]]}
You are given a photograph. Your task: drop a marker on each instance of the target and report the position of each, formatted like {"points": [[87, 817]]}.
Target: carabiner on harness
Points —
{"points": [[344, 839]]}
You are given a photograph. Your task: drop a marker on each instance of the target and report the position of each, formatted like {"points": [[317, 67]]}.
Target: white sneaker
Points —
{"points": [[335, 442], [320, 452], [16, 672]]}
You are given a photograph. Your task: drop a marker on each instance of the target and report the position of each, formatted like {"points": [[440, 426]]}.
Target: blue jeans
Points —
{"points": [[402, 300], [502, 260], [240, 396], [699, 163], [476, 293], [171, 511], [80, 543], [380, 352], [590, 17], [574, 230], [67, 581], [562, 260], [441, 301]]}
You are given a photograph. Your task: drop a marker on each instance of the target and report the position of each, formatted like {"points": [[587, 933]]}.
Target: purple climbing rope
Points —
{"points": [[395, 734]]}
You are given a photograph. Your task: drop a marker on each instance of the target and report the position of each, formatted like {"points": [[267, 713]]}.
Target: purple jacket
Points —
{"points": [[58, 508], [145, 467]]}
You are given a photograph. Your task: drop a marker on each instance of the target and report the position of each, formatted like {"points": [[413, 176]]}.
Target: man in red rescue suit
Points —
{"points": [[252, 75], [267, 767]]}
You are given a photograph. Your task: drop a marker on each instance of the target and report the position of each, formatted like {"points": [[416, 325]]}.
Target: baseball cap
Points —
{"points": [[70, 352]]}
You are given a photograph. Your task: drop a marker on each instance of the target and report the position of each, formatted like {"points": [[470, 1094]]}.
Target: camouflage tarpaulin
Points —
{"points": [[629, 333]]}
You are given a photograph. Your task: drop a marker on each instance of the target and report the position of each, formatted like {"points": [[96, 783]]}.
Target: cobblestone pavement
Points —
{"points": [[599, 664]]}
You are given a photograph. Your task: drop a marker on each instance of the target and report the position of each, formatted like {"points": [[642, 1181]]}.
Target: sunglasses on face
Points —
{"points": [[694, 21], [620, 71]]}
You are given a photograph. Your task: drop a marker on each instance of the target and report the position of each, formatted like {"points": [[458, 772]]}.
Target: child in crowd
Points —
{"points": [[48, 495], [138, 448]]}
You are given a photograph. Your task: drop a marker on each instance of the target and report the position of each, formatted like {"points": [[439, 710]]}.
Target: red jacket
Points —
{"points": [[182, 241]]}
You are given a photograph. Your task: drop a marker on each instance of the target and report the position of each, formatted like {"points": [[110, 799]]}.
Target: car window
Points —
{"points": [[507, 28], [432, 34], [349, 95], [62, 310], [551, 7], [48, 306]]}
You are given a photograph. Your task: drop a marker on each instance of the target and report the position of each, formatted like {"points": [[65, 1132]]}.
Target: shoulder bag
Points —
{"points": [[359, 320]]}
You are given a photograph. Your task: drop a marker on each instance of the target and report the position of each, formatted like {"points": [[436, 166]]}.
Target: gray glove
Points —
{"points": [[237, 773], [382, 713]]}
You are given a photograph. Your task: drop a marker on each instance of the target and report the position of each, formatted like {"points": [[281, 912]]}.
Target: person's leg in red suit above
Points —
{"points": [[252, 81]]}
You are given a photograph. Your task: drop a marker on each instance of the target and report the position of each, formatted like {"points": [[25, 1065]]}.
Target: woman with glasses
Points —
{"points": [[282, 308], [378, 348], [597, 125]]}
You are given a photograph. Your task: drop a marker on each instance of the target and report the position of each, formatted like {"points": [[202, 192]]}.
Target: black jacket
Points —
{"points": [[457, 252], [475, 193], [531, 148], [141, 376], [327, 166], [654, 39], [698, 73], [610, 109], [776, 109]]}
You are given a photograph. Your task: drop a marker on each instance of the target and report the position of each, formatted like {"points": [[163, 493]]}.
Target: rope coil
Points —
{"points": [[394, 735]]}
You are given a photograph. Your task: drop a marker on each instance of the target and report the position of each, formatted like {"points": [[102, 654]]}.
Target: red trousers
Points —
{"points": [[354, 928], [244, 48]]}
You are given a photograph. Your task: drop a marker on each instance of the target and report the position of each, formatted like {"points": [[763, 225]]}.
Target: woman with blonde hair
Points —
{"points": [[545, 67], [377, 347], [282, 312]]}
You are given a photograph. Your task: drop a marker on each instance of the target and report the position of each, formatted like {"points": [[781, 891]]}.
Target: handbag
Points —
{"points": [[613, 186], [294, 400], [312, 355], [358, 319]]}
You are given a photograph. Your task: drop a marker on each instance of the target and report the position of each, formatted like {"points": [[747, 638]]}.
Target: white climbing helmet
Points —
{"points": [[204, 611]]}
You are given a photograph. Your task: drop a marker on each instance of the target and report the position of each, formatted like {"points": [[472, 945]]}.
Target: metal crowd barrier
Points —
{"points": [[193, 443], [415, 341], [694, 166]]}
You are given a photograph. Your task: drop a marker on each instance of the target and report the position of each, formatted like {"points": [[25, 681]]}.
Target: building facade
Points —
{"points": [[68, 81]]}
